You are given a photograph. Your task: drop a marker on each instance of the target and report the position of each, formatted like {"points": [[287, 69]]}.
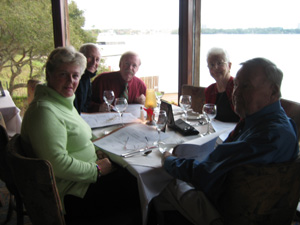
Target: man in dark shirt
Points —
{"points": [[84, 89], [264, 135]]}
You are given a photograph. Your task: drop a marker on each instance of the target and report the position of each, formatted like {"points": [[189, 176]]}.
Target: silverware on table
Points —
{"points": [[128, 154]]}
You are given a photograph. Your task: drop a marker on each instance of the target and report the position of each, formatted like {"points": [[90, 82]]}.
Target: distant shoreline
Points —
{"points": [[267, 30]]}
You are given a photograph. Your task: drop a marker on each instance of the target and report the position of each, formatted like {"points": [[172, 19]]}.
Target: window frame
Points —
{"points": [[189, 37]]}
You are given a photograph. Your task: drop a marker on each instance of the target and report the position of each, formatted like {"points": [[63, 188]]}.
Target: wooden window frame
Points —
{"points": [[189, 37], [60, 19], [189, 43]]}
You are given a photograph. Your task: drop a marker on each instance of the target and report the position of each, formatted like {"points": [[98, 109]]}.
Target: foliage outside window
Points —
{"points": [[26, 39]]}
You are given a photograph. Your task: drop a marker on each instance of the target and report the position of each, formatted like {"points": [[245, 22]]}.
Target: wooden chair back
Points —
{"points": [[2, 122], [197, 94], [292, 109], [259, 195], [36, 184], [6, 177]]}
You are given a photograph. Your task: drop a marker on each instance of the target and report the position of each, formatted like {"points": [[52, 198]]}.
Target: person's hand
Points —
{"points": [[101, 155], [141, 99], [104, 108], [165, 155], [105, 166]]}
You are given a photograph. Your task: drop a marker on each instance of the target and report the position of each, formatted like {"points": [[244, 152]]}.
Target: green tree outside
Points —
{"points": [[26, 39]]}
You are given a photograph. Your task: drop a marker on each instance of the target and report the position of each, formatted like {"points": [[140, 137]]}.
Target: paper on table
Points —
{"points": [[135, 110], [218, 125], [129, 138], [198, 148], [95, 120]]}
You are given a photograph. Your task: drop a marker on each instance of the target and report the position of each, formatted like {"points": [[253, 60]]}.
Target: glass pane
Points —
{"points": [[237, 15], [150, 28], [26, 37]]}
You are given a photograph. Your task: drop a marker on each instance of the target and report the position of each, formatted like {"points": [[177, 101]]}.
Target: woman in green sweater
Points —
{"points": [[88, 186]]}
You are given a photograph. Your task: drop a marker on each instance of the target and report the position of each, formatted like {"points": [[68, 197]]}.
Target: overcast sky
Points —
{"points": [[159, 14]]}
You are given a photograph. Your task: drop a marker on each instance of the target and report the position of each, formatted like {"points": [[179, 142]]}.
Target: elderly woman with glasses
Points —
{"points": [[220, 93], [89, 187]]}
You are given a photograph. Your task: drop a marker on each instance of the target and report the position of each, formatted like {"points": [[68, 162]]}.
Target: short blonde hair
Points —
{"points": [[62, 55]]}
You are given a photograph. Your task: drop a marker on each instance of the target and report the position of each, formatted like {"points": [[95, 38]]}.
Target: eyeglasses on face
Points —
{"points": [[216, 64]]}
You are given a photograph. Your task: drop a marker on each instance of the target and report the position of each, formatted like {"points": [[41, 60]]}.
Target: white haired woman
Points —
{"points": [[220, 93], [89, 187]]}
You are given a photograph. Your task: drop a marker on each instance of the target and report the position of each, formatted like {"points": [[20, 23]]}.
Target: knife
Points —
{"points": [[128, 154]]}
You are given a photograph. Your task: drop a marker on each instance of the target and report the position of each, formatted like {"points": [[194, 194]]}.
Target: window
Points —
{"points": [[149, 28], [280, 48]]}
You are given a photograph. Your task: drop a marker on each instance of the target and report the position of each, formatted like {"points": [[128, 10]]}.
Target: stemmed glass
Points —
{"points": [[210, 111], [185, 102], [160, 120], [159, 95], [108, 97], [121, 105]]}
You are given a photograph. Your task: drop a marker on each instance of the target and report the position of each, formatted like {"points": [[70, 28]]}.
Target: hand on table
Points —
{"points": [[101, 155], [165, 155], [141, 99], [104, 108]]}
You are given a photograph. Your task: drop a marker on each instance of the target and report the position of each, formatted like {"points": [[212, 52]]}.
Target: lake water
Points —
{"points": [[159, 55]]}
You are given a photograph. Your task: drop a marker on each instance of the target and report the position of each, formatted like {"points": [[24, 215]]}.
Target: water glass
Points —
{"points": [[159, 95], [108, 97], [185, 102], [160, 120], [209, 111], [121, 105]]}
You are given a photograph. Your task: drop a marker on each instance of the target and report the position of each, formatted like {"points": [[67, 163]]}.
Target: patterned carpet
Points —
{"points": [[4, 200]]}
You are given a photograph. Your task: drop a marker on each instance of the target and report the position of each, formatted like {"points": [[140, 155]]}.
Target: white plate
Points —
{"points": [[195, 116]]}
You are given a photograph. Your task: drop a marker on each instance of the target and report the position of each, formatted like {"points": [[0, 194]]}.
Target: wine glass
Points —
{"points": [[210, 111], [160, 120], [121, 105], [108, 97], [185, 102], [159, 95]]}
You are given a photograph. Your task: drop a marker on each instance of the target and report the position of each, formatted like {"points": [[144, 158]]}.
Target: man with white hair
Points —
{"points": [[120, 81]]}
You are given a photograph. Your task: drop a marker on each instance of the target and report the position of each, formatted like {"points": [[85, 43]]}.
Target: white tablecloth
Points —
{"points": [[11, 114], [151, 179]]}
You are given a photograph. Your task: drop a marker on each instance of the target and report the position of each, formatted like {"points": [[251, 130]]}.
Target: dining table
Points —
{"points": [[126, 145], [11, 114]]}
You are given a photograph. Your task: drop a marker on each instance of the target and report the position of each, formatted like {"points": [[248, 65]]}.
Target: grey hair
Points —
{"points": [[62, 55], [271, 71], [84, 49], [129, 53], [218, 51]]}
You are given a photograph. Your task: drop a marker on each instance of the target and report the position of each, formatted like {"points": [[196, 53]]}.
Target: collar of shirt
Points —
{"points": [[255, 118]]}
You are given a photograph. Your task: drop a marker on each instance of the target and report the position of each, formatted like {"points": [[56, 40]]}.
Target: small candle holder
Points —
{"points": [[149, 116], [150, 104]]}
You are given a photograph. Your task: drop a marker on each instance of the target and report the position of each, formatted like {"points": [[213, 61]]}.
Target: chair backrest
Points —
{"points": [[292, 109], [2, 122], [197, 94], [5, 173], [36, 184], [254, 194], [3, 143]]}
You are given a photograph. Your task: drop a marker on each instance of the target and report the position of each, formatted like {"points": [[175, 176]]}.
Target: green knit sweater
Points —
{"points": [[56, 132]]}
